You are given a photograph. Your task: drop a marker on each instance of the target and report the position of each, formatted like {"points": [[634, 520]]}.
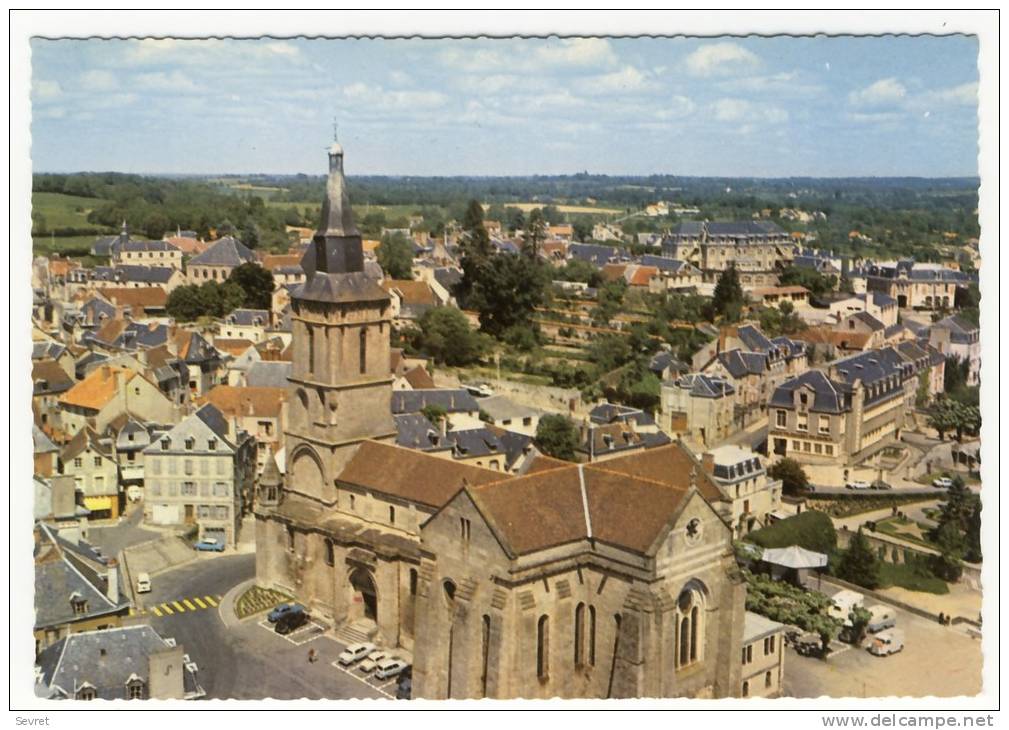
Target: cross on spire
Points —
{"points": [[335, 128]]}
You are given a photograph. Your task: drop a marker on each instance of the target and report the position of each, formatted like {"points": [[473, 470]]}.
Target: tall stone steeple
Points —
{"points": [[341, 386]]}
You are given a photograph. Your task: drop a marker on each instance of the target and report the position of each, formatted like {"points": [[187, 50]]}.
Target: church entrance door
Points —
{"points": [[365, 600]]}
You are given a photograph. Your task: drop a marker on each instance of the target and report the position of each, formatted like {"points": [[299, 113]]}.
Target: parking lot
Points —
{"points": [[939, 661], [312, 636]]}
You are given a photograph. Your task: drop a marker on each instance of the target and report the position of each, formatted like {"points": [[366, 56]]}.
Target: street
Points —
{"points": [[112, 538], [250, 660]]}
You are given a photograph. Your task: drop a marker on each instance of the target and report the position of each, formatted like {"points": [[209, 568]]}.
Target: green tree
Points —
{"points": [[256, 284], [535, 233], [859, 616], [794, 481], [582, 229], [505, 290], [395, 256], [446, 336], [434, 413], [859, 564], [557, 436], [949, 540], [728, 298]]}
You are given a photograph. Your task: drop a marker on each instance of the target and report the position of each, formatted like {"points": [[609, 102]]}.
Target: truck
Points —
{"points": [[844, 601]]}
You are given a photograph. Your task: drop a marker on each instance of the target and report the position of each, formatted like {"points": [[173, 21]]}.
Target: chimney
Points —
{"points": [[443, 426], [248, 407], [708, 462], [165, 674], [116, 378], [112, 580]]}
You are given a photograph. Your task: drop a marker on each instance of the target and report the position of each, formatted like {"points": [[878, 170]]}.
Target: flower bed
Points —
{"points": [[258, 599]]}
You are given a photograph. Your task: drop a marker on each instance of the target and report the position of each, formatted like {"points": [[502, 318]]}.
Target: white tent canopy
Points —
{"points": [[794, 557]]}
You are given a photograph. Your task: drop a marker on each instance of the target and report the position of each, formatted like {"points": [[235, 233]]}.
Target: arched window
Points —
{"points": [[485, 653], [592, 636], [330, 555], [363, 350], [413, 582], [449, 587], [311, 348], [690, 631], [543, 647], [579, 634]]}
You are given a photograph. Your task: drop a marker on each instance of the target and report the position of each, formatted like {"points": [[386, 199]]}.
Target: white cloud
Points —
{"points": [[47, 89], [626, 80], [885, 92], [98, 81], [530, 56], [376, 98], [786, 82], [716, 58], [160, 81], [740, 110], [207, 50], [873, 117], [678, 106], [962, 95]]}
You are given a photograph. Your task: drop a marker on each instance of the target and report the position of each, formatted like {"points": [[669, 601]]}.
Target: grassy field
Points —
{"points": [[526, 207], [66, 211], [64, 246]]}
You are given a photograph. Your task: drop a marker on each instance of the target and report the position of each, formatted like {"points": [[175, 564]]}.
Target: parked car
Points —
{"points": [[858, 484], [942, 483], [355, 653], [390, 667], [880, 484], [883, 618], [886, 643], [284, 609], [372, 661], [808, 644], [143, 583], [209, 544], [291, 621]]}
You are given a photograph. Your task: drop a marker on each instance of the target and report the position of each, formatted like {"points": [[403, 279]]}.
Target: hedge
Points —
{"points": [[811, 529]]}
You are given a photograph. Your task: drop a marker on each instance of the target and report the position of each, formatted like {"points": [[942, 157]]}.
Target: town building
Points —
{"points": [[832, 421], [218, 261], [757, 249], [200, 473], [879, 305], [699, 407], [763, 657], [123, 663], [108, 392], [91, 463], [775, 296], [146, 253], [915, 285], [258, 411], [750, 497], [956, 337], [443, 559], [76, 589], [245, 324]]}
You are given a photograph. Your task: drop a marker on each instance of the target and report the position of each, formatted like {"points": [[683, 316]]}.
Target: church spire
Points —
{"points": [[337, 219]]}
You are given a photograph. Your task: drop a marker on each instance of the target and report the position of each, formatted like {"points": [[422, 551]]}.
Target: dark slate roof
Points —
{"points": [[893, 330], [57, 580], [596, 254], [956, 325], [664, 359], [134, 245], [354, 286], [754, 339], [214, 419], [663, 263], [806, 261], [705, 386], [605, 413], [82, 366], [448, 277], [740, 363], [414, 431], [144, 274], [882, 299], [453, 401], [106, 659], [268, 374], [94, 308], [882, 373], [47, 349], [729, 229], [791, 348], [828, 396], [874, 324], [103, 245], [228, 251], [249, 317]]}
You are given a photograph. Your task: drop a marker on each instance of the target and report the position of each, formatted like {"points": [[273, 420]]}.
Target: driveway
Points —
{"points": [[248, 661]]}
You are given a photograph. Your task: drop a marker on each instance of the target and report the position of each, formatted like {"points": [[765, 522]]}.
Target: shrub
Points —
{"points": [[812, 530]]}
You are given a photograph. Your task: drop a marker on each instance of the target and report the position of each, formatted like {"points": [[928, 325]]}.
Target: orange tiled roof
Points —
{"points": [[62, 267], [233, 346], [273, 261], [98, 388], [233, 400], [188, 245], [145, 297], [413, 292], [642, 275]]}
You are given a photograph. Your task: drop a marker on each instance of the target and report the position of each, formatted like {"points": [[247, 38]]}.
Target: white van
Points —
{"points": [[143, 583], [843, 602], [886, 642], [882, 618]]}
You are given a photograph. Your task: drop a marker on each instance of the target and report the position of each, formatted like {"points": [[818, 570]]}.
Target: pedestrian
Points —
{"points": [[311, 656], [942, 619]]}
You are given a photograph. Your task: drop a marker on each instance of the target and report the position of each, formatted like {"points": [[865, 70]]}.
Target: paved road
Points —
{"points": [[247, 661], [113, 538]]}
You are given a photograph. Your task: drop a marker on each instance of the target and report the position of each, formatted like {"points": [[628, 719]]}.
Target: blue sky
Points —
{"points": [[750, 106]]}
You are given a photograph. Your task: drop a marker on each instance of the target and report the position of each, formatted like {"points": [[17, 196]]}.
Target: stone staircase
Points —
{"points": [[357, 632]]}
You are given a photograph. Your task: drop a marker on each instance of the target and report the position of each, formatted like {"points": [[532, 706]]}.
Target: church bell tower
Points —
{"points": [[340, 383]]}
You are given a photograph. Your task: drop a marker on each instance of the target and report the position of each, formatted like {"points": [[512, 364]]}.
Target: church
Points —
{"points": [[612, 579]]}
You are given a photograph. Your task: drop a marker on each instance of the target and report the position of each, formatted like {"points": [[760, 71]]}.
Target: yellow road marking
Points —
{"points": [[217, 597], [178, 607], [188, 605], [167, 609], [156, 611], [199, 603], [210, 600]]}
